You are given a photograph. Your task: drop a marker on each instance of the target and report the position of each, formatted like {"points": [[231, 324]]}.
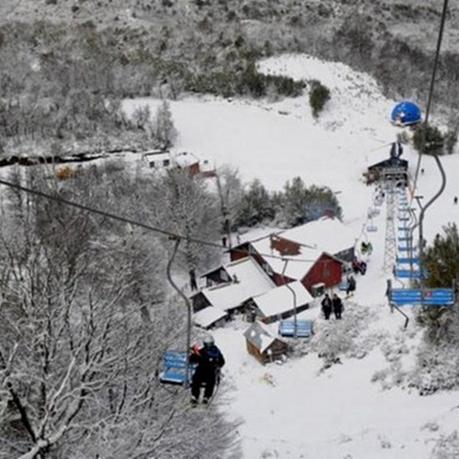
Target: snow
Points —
{"points": [[280, 299], [326, 234], [251, 281], [299, 409], [208, 316]]}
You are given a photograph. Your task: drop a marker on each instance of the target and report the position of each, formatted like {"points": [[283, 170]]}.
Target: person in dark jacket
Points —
{"points": [[337, 306], [193, 283], [327, 306], [209, 360], [351, 284]]}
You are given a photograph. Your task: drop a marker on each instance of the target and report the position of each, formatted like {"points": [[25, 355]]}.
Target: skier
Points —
{"points": [[337, 306], [362, 268], [209, 360], [327, 306], [355, 266], [351, 284], [455, 199]]}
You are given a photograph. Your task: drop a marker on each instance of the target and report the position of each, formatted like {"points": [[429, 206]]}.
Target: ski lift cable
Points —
{"points": [[429, 100], [127, 220], [188, 306]]}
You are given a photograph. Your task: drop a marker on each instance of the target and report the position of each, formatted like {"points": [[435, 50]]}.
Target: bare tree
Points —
{"points": [[78, 358]]}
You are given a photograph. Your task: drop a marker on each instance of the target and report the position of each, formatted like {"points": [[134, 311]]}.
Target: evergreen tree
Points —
{"points": [[256, 205], [318, 97], [300, 204]]}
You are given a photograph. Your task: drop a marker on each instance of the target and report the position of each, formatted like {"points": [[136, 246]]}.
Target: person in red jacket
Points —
{"points": [[208, 360]]}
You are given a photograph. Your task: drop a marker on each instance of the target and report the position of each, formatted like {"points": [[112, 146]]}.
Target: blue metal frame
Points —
{"points": [[405, 239], [406, 249], [408, 260], [409, 274]]}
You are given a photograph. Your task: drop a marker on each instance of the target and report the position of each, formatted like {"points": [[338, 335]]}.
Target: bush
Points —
{"points": [[318, 97], [256, 206], [434, 140]]}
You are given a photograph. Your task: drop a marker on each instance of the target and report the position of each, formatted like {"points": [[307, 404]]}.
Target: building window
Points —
{"points": [[166, 162]]}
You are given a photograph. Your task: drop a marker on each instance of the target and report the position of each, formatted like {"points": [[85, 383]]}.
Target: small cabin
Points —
{"points": [[263, 344]]}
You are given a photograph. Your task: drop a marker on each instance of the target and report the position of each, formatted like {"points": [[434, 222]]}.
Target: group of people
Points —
{"points": [[334, 304], [359, 266]]}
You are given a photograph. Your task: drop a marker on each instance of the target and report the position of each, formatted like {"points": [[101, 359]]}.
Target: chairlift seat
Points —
{"points": [[405, 239], [403, 219], [343, 285], [372, 228], [174, 368], [405, 248], [403, 228], [427, 297], [410, 274], [304, 328], [407, 260]]}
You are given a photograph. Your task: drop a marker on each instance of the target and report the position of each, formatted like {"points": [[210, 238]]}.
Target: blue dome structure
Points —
{"points": [[406, 113]]}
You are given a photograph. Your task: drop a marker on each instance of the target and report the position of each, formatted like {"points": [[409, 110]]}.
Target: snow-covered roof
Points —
{"points": [[208, 316], [260, 336], [280, 299], [251, 281], [158, 157], [185, 159], [298, 265], [326, 234]]}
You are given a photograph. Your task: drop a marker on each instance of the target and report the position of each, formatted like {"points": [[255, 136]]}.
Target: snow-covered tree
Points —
{"points": [[437, 361], [299, 204], [78, 354], [256, 205], [190, 210], [163, 130]]}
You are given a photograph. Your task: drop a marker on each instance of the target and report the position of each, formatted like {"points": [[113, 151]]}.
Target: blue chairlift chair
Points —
{"points": [[304, 328], [372, 228], [435, 297], [343, 285], [174, 368]]}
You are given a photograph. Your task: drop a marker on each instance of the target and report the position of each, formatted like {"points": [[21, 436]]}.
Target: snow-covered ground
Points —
{"points": [[298, 409]]}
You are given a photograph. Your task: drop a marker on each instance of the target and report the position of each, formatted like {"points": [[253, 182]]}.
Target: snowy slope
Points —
{"points": [[298, 409]]}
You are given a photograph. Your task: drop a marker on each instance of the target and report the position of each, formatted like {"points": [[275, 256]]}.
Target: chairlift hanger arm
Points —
{"points": [[187, 303]]}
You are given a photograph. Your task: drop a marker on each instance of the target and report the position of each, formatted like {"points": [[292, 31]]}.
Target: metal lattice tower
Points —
{"points": [[392, 177], [390, 246]]}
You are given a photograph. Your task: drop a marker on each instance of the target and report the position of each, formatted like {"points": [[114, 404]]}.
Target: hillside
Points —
{"points": [[187, 42], [365, 406]]}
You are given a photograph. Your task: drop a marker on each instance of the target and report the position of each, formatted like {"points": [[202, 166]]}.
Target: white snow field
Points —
{"points": [[298, 409]]}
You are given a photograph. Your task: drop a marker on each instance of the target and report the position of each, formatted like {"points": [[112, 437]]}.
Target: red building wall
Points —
{"points": [[326, 269]]}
